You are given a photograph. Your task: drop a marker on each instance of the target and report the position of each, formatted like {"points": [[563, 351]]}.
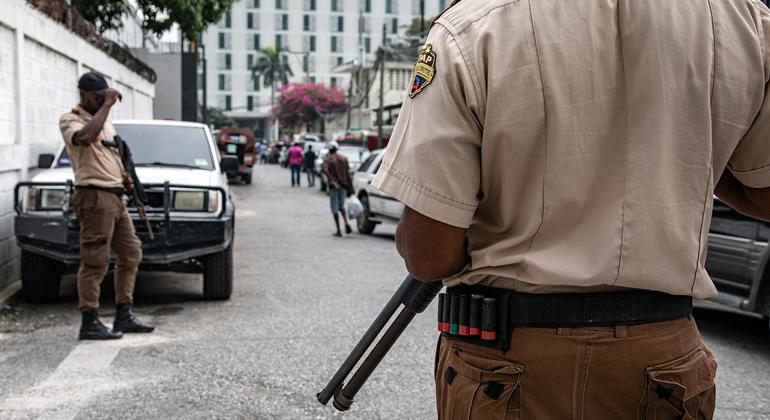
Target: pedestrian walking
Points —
{"points": [[581, 145], [105, 225], [295, 163], [337, 172], [309, 161]]}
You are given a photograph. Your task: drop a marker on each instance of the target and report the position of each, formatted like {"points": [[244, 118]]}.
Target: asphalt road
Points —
{"points": [[302, 299]]}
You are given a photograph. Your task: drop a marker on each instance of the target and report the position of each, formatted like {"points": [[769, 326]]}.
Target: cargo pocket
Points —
{"points": [[475, 385], [94, 251], [680, 389]]}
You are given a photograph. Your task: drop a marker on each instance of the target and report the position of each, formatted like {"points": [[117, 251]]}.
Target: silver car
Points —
{"points": [[379, 207]]}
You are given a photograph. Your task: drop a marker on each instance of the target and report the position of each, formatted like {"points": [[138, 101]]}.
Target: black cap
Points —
{"points": [[92, 81]]}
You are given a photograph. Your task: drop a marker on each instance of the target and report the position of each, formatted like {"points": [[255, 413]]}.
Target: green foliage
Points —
{"points": [[192, 16], [271, 67], [105, 14], [218, 119], [408, 47], [157, 16]]}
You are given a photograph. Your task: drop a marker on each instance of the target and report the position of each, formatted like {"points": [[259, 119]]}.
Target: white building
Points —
{"points": [[322, 34]]}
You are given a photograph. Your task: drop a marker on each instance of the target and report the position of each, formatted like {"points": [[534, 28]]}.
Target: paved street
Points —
{"points": [[302, 299]]}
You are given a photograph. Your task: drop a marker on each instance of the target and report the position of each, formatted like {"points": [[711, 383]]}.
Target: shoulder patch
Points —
{"points": [[424, 70]]}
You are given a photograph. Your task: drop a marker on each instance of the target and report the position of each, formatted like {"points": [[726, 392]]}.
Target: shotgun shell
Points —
{"points": [[443, 324], [454, 315], [465, 306], [475, 316], [489, 319], [447, 311]]}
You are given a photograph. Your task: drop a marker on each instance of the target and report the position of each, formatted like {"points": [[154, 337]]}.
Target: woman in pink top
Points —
{"points": [[295, 163]]}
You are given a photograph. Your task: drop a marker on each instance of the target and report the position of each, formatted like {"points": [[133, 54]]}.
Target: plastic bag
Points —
{"points": [[354, 207]]}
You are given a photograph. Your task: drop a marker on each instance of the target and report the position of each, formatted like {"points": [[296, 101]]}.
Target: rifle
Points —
{"points": [[137, 192], [415, 296]]}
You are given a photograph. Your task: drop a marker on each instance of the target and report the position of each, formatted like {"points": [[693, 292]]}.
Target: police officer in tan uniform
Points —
{"points": [[100, 182], [581, 143]]}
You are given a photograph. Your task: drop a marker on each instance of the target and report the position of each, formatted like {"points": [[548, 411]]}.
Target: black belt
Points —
{"points": [[115, 190], [486, 315]]}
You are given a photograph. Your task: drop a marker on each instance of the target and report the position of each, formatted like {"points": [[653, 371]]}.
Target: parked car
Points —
{"points": [[379, 207], [239, 143], [738, 260], [191, 212], [355, 156]]}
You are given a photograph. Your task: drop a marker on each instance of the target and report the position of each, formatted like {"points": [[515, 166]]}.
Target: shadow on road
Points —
{"points": [[741, 330], [151, 289]]}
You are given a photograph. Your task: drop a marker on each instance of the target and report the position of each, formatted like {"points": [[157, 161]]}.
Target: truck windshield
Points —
{"points": [[157, 145]]}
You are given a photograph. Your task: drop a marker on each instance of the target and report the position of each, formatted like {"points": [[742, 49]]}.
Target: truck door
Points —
{"points": [[734, 249]]}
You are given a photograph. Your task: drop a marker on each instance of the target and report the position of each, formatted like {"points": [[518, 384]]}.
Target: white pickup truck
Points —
{"points": [[189, 207]]}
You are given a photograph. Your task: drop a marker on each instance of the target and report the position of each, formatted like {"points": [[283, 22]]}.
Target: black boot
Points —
{"points": [[93, 329], [125, 321]]}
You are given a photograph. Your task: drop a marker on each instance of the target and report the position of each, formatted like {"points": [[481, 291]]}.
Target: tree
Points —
{"points": [[408, 47], [305, 103], [157, 16], [218, 119], [105, 14], [271, 68]]}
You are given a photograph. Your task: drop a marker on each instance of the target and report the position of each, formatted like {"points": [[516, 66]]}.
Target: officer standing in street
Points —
{"points": [[581, 144], [100, 182]]}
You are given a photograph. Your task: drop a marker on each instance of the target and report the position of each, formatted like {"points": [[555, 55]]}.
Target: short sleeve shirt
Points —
{"points": [[95, 165], [580, 146]]}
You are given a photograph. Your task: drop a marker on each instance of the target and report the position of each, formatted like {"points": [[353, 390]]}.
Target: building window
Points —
{"points": [[226, 21], [368, 44], [312, 79], [308, 23], [224, 41], [309, 5], [255, 43], [416, 7], [228, 102], [340, 61], [249, 61], [224, 82], [366, 24], [228, 61], [305, 63], [336, 43], [281, 41], [337, 5], [333, 81], [249, 103], [394, 25], [308, 43], [391, 6], [252, 4], [250, 20], [365, 5], [281, 4], [255, 83], [282, 22], [338, 24]]}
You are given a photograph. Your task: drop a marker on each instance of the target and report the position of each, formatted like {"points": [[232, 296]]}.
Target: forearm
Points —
{"points": [[90, 132], [431, 250], [750, 202]]}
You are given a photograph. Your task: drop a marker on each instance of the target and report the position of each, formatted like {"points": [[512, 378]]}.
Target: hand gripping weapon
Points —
{"points": [[137, 192], [415, 296]]}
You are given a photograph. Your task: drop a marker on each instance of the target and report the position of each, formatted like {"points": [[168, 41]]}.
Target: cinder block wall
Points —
{"points": [[40, 62]]}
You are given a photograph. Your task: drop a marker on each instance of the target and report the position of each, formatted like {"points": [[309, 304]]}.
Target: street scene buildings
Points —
{"points": [[256, 295]]}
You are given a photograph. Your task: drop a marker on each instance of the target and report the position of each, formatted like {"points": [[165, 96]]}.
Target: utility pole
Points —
{"points": [[422, 18], [380, 137]]}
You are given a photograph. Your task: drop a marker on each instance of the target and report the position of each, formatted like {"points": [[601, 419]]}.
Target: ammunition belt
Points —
{"points": [[486, 315]]}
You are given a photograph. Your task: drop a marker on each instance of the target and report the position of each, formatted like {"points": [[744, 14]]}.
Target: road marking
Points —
{"points": [[82, 376]]}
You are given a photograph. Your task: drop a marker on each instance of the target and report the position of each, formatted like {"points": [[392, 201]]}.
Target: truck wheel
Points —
{"points": [[218, 275], [363, 223], [246, 178], [40, 277]]}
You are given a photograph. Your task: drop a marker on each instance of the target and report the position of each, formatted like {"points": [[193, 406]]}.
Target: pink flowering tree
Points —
{"points": [[304, 104]]}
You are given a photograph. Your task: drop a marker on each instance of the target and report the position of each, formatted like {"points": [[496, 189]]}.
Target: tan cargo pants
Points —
{"points": [[105, 225], [651, 371]]}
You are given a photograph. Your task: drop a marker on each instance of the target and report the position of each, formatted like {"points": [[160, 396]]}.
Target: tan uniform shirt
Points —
{"points": [[580, 142], [94, 165]]}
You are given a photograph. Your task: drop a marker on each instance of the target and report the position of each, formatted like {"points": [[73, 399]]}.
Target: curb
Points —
{"points": [[9, 291]]}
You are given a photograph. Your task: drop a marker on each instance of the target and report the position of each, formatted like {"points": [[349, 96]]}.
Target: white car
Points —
{"points": [[379, 207], [355, 155], [190, 210]]}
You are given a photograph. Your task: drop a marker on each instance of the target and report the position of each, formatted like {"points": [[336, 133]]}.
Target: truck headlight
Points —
{"points": [[190, 200], [214, 201], [51, 199]]}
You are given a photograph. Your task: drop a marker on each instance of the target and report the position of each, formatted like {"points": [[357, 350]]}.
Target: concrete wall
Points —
{"points": [[40, 62]]}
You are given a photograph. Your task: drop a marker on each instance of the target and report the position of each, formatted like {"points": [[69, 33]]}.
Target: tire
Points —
{"points": [[40, 277], [363, 223], [218, 275], [246, 178]]}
